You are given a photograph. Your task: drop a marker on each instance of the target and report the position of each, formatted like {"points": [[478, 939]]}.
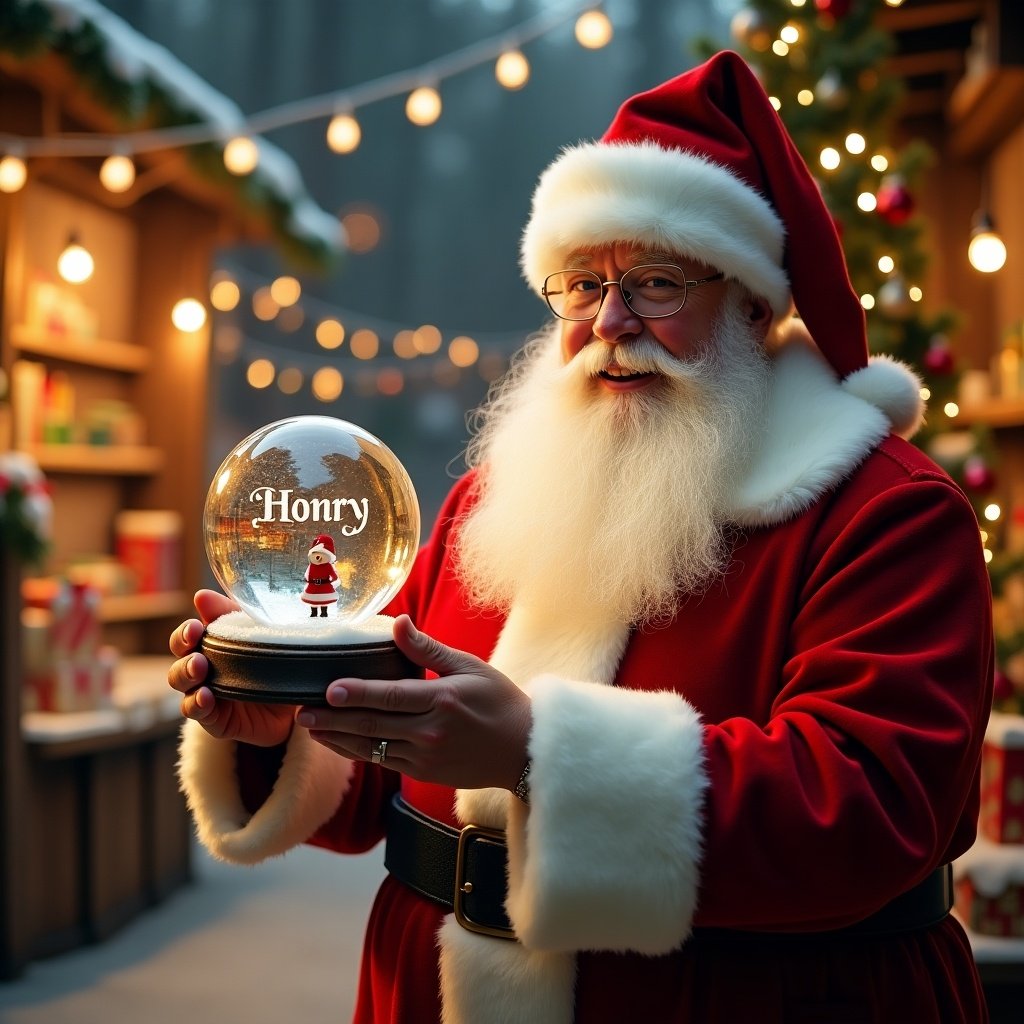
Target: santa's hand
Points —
{"points": [[262, 724], [468, 728]]}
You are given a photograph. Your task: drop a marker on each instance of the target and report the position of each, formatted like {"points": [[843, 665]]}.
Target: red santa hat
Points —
{"points": [[703, 166], [324, 543]]}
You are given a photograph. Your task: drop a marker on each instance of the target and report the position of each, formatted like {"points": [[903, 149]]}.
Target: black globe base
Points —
{"points": [[297, 673]]}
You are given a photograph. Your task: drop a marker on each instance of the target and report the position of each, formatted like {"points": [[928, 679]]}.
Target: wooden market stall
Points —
{"points": [[109, 398]]}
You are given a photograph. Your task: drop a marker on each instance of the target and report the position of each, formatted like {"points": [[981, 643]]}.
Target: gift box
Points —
{"points": [[149, 543], [66, 666], [1001, 818], [989, 889]]}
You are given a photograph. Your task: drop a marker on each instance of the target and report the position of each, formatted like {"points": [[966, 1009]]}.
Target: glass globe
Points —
{"points": [[308, 518]]}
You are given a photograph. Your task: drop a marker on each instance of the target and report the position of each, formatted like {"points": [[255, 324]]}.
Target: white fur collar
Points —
{"points": [[818, 430]]}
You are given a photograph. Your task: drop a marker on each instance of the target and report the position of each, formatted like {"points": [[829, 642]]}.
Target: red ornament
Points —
{"points": [[834, 8], [893, 203], [1003, 686], [978, 475], [938, 360]]}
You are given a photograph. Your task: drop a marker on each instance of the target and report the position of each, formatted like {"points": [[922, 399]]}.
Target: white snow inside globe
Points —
{"points": [[311, 525]]}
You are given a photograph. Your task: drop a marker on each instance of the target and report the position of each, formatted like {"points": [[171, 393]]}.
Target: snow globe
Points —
{"points": [[311, 525]]}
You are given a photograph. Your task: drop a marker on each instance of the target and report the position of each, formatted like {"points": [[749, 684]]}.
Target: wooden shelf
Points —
{"points": [[123, 460], [107, 355], [135, 607], [996, 412]]}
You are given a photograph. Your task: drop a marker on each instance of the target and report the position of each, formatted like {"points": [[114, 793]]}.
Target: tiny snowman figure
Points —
{"points": [[320, 575]]}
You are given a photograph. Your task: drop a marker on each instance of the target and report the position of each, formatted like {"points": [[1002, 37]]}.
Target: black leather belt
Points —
{"points": [[466, 872]]}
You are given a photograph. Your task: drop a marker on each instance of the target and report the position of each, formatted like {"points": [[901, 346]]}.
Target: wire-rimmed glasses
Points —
{"points": [[650, 290]]}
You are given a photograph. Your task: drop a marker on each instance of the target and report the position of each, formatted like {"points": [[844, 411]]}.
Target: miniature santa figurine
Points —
{"points": [[320, 575]]}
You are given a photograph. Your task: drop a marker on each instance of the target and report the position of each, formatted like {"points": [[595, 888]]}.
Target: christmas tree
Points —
{"points": [[819, 61]]}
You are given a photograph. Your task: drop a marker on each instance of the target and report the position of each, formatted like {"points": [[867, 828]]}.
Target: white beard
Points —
{"points": [[616, 500]]}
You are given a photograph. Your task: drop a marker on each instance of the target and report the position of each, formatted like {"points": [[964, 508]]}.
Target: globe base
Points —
{"points": [[270, 673]]}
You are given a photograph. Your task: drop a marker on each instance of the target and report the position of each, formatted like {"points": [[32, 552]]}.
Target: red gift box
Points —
{"points": [[1001, 818], [989, 889]]}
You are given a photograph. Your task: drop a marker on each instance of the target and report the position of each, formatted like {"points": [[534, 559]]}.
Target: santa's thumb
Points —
{"points": [[425, 651]]}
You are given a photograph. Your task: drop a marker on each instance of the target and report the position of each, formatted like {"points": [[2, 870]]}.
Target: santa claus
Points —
{"points": [[707, 693], [320, 576]]}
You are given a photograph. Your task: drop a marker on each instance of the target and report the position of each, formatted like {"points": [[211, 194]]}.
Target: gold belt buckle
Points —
{"points": [[463, 886]]}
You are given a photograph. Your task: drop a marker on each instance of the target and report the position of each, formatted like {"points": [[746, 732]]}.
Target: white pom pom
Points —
{"points": [[894, 388]]}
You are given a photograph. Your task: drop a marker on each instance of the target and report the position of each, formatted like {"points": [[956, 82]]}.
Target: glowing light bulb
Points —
{"points": [[992, 512], [593, 30], [855, 143], [225, 295], [829, 158], [512, 70], [886, 264], [423, 107], [463, 351], [805, 97], [13, 174], [867, 202], [241, 155], [285, 290], [75, 264], [344, 133], [329, 333], [188, 315], [117, 174], [986, 251]]}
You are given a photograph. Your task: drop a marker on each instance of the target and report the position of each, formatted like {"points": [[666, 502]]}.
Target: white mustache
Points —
{"points": [[639, 356]]}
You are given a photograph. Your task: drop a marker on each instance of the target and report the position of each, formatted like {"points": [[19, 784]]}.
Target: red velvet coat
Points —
{"points": [[841, 675]]}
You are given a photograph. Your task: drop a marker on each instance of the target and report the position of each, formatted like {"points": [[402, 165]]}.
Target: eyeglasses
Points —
{"points": [[652, 290]]}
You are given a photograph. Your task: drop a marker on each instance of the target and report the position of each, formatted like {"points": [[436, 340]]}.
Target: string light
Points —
{"points": [[880, 162], [13, 174], [886, 264], [463, 351], [290, 380], [867, 201], [330, 333], [855, 143], [327, 384], [512, 70], [423, 106], [829, 158], [925, 394], [986, 250], [867, 301], [75, 264], [117, 174], [260, 374], [225, 294], [790, 33], [805, 97], [188, 315], [241, 155], [344, 133], [951, 409], [775, 102], [780, 48], [594, 30], [285, 290], [915, 293], [364, 344], [263, 305], [992, 512]]}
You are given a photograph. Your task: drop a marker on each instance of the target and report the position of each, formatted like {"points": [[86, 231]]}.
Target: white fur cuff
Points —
{"points": [[309, 789], [608, 856]]}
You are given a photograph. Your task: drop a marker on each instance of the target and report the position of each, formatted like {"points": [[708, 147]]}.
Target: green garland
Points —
{"points": [[28, 29]]}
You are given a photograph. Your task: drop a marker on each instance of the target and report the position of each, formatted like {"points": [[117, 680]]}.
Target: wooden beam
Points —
{"points": [[907, 65], [906, 19]]}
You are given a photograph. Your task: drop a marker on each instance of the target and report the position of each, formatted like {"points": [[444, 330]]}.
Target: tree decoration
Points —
{"points": [[938, 359], [894, 203], [25, 507], [836, 9], [894, 298], [978, 475], [831, 91]]}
